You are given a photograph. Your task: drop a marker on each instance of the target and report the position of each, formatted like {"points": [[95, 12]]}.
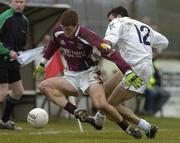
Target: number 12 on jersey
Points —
{"points": [[143, 38]]}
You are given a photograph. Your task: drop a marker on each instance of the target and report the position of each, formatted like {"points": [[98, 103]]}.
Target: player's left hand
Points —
{"points": [[132, 79]]}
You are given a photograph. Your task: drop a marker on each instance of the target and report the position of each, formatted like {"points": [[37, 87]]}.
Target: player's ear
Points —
{"points": [[119, 16]]}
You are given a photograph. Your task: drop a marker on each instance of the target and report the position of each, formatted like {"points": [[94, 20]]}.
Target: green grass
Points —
{"points": [[67, 131]]}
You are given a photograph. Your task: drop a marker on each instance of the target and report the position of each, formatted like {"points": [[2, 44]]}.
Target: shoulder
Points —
{"points": [[118, 22], [139, 23], [85, 32], [129, 22], [5, 16], [81, 30], [8, 12], [57, 31]]}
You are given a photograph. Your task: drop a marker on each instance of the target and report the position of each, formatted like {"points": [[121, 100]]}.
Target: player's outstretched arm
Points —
{"points": [[39, 69]]}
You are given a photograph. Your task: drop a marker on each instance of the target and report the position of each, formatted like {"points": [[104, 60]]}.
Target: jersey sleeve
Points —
{"points": [[52, 47], [113, 32], [4, 51], [3, 18], [91, 37], [109, 54], [158, 40], [115, 57]]}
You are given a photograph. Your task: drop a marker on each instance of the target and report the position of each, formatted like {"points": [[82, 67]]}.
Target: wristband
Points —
{"points": [[41, 64]]}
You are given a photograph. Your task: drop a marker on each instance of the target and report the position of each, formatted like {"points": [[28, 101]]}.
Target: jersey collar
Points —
{"points": [[77, 31]]}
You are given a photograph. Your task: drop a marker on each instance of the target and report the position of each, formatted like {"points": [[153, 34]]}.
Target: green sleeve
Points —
{"points": [[3, 17], [6, 15], [3, 51]]}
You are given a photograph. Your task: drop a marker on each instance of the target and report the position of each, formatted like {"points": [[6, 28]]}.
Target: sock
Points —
{"points": [[8, 108], [143, 124], [99, 118], [70, 107], [99, 114], [124, 125]]}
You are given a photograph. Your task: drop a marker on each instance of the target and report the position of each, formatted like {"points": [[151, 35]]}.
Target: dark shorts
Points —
{"points": [[9, 71]]}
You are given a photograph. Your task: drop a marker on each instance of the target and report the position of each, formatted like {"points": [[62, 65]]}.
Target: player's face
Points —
{"points": [[69, 31], [111, 17], [18, 5]]}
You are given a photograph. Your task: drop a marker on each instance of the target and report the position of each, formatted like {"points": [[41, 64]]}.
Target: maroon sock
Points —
{"points": [[70, 107], [124, 125]]}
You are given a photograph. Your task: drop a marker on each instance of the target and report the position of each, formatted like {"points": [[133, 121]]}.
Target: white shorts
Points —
{"points": [[82, 80], [143, 70]]}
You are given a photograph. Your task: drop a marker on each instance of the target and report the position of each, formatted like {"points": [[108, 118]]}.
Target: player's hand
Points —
{"points": [[38, 71], [132, 79], [13, 55], [105, 46]]}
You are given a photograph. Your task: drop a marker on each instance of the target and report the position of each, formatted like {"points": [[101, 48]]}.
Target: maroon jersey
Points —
{"points": [[78, 50]]}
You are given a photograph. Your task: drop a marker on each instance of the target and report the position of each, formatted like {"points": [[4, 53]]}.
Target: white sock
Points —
{"points": [[143, 124], [99, 118], [99, 114], [128, 131]]}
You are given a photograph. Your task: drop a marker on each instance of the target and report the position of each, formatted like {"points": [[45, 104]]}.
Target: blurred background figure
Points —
{"points": [[155, 95], [13, 37], [46, 40]]}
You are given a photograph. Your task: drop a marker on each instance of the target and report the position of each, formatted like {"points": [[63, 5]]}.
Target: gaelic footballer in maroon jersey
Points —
{"points": [[78, 45], [78, 49]]}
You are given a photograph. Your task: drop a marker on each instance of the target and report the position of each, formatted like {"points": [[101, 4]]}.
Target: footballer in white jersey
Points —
{"points": [[135, 41]]}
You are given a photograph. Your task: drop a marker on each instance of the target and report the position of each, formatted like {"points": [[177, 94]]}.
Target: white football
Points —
{"points": [[38, 118]]}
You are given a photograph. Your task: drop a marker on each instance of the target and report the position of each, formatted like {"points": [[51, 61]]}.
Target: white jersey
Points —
{"points": [[134, 39]]}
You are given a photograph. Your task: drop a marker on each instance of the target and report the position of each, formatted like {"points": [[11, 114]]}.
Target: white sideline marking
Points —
{"points": [[67, 131], [41, 133], [45, 133], [51, 132], [4, 134]]}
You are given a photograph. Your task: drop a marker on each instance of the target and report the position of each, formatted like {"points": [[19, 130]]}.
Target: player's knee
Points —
{"points": [[100, 105], [2, 97], [43, 85], [114, 102], [17, 94]]}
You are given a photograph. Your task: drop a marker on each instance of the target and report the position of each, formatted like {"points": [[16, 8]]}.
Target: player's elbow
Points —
{"points": [[165, 43]]}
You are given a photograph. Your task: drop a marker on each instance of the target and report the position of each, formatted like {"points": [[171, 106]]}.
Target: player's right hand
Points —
{"points": [[105, 46], [13, 55], [38, 71]]}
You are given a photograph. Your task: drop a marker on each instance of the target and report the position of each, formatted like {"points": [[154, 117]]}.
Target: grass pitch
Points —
{"points": [[67, 131]]}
